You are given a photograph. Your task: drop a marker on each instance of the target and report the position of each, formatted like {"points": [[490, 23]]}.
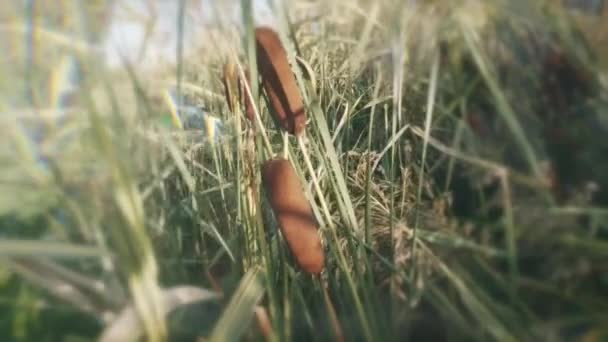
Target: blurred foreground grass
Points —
{"points": [[459, 148]]}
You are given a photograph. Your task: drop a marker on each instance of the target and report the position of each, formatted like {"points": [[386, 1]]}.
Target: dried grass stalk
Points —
{"points": [[245, 100], [229, 80]]}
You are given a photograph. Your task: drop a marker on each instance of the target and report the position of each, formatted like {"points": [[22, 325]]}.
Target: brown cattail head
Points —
{"points": [[279, 82], [294, 214]]}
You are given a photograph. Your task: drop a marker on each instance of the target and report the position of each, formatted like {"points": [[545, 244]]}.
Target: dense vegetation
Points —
{"points": [[455, 159]]}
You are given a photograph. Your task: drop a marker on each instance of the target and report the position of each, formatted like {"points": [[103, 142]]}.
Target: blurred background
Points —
{"points": [[455, 158]]}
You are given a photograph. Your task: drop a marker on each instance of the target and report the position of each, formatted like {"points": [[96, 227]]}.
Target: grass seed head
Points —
{"points": [[229, 78], [234, 89]]}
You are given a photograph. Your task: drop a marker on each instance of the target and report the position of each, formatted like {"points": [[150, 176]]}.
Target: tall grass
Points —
{"points": [[453, 157]]}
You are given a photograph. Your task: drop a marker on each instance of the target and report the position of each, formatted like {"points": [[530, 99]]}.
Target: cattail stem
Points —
{"points": [[340, 253]]}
